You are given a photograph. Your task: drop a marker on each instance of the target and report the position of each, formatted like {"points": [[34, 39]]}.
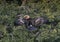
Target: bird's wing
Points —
{"points": [[39, 21], [21, 21]]}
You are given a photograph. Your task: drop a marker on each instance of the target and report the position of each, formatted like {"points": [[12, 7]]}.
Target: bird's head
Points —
{"points": [[26, 17]]}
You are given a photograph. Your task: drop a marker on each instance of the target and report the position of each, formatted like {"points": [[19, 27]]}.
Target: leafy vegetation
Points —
{"points": [[34, 8]]}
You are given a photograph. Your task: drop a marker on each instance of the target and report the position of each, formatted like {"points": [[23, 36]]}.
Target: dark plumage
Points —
{"points": [[27, 22], [35, 22], [18, 22], [31, 28]]}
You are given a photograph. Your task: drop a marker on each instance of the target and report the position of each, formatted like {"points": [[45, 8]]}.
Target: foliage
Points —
{"points": [[46, 8]]}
